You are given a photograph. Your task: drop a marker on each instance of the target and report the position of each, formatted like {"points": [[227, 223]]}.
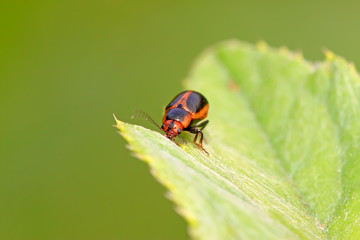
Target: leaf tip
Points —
{"points": [[118, 122], [299, 55], [352, 67], [329, 55], [262, 45], [188, 215], [284, 50]]}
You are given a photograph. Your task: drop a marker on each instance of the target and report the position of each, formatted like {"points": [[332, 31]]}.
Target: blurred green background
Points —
{"points": [[66, 66]]}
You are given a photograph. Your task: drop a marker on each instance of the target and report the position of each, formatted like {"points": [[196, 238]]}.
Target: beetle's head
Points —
{"points": [[172, 128]]}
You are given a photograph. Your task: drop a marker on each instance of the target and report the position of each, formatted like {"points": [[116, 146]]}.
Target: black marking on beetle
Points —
{"points": [[179, 106], [195, 102], [171, 125], [175, 99], [177, 114]]}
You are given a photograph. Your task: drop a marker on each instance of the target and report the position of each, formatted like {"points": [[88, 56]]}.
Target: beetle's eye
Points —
{"points": [[162, 126], [179, 130]]}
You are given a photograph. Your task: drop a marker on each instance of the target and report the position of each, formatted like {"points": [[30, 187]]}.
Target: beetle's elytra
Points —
{"points": [[184, 113]]}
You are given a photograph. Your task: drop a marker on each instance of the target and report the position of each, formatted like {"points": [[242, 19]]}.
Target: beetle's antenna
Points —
{"points": [[140, 114]]}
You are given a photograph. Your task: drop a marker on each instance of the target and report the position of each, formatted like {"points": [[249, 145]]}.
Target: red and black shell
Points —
{"points": [[183, 112]]}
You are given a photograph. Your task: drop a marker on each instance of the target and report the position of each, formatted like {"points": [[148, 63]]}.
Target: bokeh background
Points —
{"points": [[66, 66]]}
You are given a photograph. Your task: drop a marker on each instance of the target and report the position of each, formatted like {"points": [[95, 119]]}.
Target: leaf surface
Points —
{"points": [[284, 148]]}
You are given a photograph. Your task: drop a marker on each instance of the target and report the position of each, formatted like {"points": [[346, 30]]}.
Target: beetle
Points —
{"points": [[184, 113]]}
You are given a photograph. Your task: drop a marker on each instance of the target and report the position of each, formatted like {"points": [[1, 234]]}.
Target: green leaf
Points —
{"points": [[284, 148]]}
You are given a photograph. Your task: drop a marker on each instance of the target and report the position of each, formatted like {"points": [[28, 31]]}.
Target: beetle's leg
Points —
{"points": [[201, 137], [202, 125], [195, 138], [197, 130], [201, 140]]}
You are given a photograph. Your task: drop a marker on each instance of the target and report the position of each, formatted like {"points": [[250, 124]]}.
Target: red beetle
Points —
{"points": [[184, 113]]}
